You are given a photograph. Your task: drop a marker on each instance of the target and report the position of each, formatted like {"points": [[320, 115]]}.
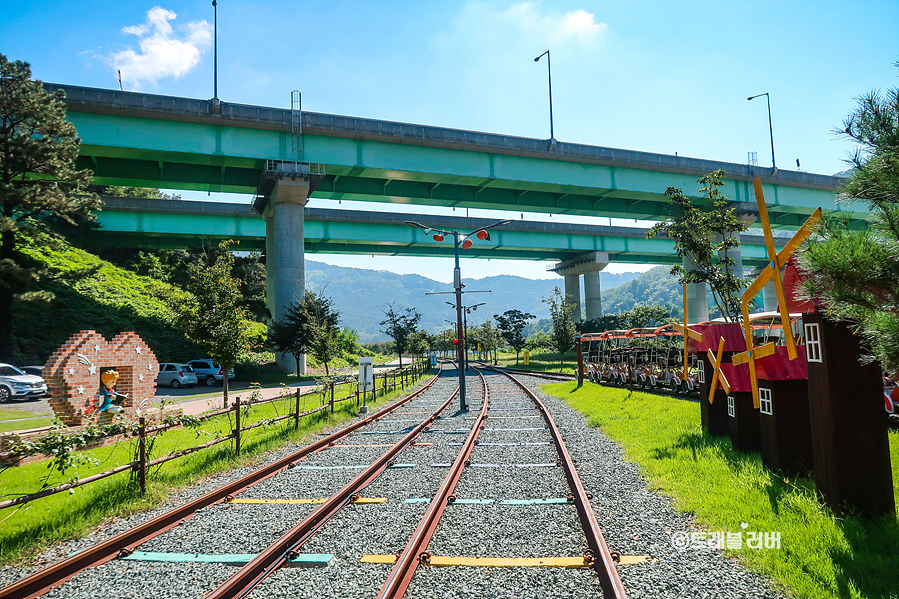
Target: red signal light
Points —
{"points": [[466, 244], [455, 342], [438, 237], [483, 235]]}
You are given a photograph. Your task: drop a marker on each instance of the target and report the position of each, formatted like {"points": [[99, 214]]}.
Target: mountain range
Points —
{"points": [[361, 295]]}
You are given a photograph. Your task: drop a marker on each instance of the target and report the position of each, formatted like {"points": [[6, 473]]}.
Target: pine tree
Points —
{"points": [[856, 273], [40, 188]]}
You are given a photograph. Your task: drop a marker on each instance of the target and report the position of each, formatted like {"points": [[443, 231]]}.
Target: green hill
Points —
{"points": [[110, 301], [655, 286]]}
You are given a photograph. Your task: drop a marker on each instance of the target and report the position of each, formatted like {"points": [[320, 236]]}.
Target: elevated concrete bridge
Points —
{"points": [[154, 224], [284, 156]]}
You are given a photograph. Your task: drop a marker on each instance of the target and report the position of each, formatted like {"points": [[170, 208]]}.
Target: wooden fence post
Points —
{"points": [[332, 396], [357, 394], [296, 415], [237, 427], [142, 455]]}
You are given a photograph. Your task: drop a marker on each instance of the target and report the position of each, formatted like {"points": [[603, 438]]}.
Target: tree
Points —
{"points": [[511, 323], [562, 334], [288, 335], [40, 188], [132, 192], [538, 340], [705, 238], [399, 325], [489, 337], [856, 273], [419, 342], [308, 326], [321, 321], [212, 316]]}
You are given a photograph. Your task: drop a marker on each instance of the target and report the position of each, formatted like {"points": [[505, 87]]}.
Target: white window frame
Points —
{"points": [[700, 374], [813, 342], [766, 401], [731, 407]]}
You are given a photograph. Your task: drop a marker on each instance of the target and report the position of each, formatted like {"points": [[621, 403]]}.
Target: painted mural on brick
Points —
{"points": [[91, 379]]}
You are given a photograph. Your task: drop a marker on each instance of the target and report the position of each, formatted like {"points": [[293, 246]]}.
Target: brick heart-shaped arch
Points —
{"points": [[73, 372]]}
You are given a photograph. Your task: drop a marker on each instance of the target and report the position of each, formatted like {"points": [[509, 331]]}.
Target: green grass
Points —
{"points": [[12, 419], [543, 361], [20, 425], [821, 555], [26, 530]]}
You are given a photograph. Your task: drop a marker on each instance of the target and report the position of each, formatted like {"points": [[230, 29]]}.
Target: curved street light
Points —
{"points": [[770, 128], [549, 72]]}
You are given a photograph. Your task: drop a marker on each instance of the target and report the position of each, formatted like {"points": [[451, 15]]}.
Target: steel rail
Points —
{"points": [[275, 555], [564, 378], [603, 562], [44, 580], [414, 553]]}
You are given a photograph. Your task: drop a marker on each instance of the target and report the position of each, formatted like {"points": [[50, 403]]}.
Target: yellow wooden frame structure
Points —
{"points": [[771, 272]]}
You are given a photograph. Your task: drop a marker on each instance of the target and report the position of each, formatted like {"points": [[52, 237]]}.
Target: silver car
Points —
{"points": [[15, 384], [176, 375]]}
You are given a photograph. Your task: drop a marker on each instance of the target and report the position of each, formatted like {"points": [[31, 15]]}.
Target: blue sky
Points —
{"points": [[644, 75]]}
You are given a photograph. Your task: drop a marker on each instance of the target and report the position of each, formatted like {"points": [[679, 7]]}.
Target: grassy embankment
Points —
{"points": [[543, 361], [34, 526], [821, 557]]}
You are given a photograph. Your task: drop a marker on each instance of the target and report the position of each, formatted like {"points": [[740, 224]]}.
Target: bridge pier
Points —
{"points": [[588, 265], [573, 295], [697, 297], [285, 259], [593, 294]]}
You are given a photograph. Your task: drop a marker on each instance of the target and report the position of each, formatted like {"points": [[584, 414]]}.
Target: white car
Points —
{"points": [[15, 384]]}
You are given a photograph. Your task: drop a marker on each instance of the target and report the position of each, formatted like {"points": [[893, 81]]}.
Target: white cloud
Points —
{"points": [[163, 51], [529, 20]]}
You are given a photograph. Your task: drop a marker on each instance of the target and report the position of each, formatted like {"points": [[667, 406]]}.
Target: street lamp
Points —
{"points": [[466, 310], [460, 239], [215, 52], [549, 72], [770, 128]]}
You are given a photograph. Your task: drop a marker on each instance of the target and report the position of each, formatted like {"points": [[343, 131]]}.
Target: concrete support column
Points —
{"points": [[269, 264], [592, 294], [736, 254], [697, 297], [288, 269], [573, 295], [769, 297]]}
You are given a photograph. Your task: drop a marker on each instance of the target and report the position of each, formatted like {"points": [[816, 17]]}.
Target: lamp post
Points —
{"points": [[466, 310], [770, 128], [465, 242], [549, 72], [215, 51]]}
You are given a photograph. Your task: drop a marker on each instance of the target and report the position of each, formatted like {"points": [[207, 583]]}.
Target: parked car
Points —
{"points": [[176, 375], [16, 384], [35, 371], [210, 372]]}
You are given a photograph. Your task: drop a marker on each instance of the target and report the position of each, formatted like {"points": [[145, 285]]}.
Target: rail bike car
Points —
{"points": [[651, 358]]}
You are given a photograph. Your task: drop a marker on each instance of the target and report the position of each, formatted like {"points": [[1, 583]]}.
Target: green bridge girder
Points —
{"points": [[160, 141], [143, 223]]}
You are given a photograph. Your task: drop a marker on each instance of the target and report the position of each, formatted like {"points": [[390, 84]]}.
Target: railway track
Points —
{"points": [[381, 503]]}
